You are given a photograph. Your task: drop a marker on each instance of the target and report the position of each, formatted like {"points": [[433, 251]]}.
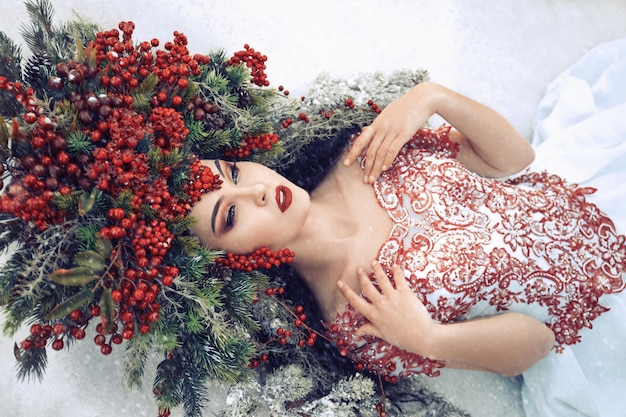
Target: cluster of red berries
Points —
{"points": [[202, 109], [301, 333], [129, 64], [201, 181], [138, 308], [287, 122], [164, 412], [284, 91], [304, 117], [253, 60], [47, 170], [380, 407], [262, 258], [102, 151], [374, 106], [40, 334], [264, 141]]}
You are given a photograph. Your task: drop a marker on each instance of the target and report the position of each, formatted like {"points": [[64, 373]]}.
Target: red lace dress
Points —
{"points": [[473, 247]]}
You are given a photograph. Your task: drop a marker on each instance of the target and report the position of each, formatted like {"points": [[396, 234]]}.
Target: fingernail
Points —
{"points": [[346, 162], [365, 179], [339, 284], [372, 179], [374, 262]]}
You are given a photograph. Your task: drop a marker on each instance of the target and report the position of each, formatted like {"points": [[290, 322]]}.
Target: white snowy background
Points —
{"points": [[500, 52]]}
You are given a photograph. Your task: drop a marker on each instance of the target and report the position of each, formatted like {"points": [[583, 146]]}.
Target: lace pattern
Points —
{"points": [[469, 245]]}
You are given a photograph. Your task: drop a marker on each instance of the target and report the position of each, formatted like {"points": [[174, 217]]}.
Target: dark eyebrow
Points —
{"points": [[219, 168], [214, 215]]}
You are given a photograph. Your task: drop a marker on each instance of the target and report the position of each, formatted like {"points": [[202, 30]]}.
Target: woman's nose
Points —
{"points": [[255, 191]]}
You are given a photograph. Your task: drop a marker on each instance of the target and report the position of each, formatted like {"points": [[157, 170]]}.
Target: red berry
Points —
{"points": [[99, 339], [116, 295], [58, 344], [59, 329], [167, 280], [106, 349], [153, 316], [77, 333], [36, 329], [139, 294]]}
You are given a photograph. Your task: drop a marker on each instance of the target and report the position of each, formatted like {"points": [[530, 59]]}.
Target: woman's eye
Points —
{"points": [[234, 173], [230, 217]]}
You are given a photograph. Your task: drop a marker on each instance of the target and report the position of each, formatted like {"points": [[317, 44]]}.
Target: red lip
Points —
{"points": [[283, 197]]}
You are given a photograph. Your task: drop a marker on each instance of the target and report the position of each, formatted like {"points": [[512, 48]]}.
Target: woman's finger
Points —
{"points": [[373, 150], [382, 278], [360, 143], [368, 329], [367, 287], [399, 278], [392, 151], [356, 301], [376, 158]]}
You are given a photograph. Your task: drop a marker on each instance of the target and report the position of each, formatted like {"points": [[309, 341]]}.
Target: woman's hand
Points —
{"points": [[391, 129], [506, 343], [395, 314], [488, 144]]}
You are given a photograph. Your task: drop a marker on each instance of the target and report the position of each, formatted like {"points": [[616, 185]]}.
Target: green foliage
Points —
{"points": [[61, 42], [211, 321], [87, 235], [144, 92], [74, 302], [135, 357], [206, 142], [78, 143], [10, 58], [67, 202], [32, 364], [10, 67], [167, 384], [41, 30]]}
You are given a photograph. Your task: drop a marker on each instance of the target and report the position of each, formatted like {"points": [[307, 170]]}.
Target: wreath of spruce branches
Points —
{"points": [[214, 321]]}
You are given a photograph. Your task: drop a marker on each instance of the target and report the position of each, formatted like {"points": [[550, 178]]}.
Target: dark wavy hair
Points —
{"points": [[315, 161]]}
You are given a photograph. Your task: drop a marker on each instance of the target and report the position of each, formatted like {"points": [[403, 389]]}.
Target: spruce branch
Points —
{"points": [[135, 357], [78, 143], [31, 364], [10, 67], [193, 391]]}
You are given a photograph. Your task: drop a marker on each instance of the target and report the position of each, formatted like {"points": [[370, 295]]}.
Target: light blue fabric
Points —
{"points": [[580, 134]]}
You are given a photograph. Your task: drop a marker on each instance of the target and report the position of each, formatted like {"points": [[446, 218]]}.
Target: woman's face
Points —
{"points": [[255, 207]]}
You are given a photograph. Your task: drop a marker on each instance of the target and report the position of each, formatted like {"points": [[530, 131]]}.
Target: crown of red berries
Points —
{"points": [[100, 168], [112, 148]]}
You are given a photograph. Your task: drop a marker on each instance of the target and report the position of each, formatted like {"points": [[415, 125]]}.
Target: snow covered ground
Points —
{"points": [[502, 53]]}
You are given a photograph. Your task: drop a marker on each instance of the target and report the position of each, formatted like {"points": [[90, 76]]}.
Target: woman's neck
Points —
{"points": [[324, 241], [345, 229]]}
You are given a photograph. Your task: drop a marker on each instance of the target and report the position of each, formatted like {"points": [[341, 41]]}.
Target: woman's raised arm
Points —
{"points": [[489, 144], [507, 344]]}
